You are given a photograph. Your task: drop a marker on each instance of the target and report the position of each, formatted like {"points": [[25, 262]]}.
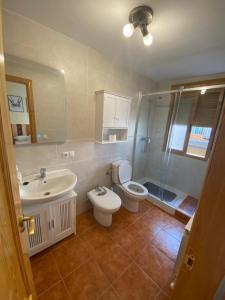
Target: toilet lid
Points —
{"points": [[125, 171], [135, 188], [108, 201]]}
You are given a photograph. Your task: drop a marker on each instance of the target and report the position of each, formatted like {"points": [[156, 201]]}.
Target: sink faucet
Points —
{"points": [[43, 173]]}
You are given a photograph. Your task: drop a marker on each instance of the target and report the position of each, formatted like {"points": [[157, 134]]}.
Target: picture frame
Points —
{"points": [[15, 103]]}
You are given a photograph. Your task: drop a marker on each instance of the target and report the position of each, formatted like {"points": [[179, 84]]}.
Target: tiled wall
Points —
{"points": [[86, 71]]}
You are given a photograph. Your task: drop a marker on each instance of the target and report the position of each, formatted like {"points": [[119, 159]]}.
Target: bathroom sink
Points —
{"points": [[35, 189]]}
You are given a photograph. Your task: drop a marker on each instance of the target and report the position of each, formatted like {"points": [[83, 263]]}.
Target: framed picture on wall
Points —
{"points": [[15, 103]]}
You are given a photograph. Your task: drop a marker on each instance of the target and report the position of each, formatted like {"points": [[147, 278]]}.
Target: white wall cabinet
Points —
{"points": [[112, 117], [54, 221]]}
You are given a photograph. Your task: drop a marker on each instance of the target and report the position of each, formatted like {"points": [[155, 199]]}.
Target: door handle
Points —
{"points": [[31, 224]]}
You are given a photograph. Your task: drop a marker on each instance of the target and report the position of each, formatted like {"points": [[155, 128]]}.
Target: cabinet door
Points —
{"points": [[122, 112], [109, 111], [42, 237], [62, 218]]}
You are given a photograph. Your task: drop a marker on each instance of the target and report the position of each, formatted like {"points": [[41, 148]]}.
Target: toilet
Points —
{"points": [[131, 192], [105, 203]]}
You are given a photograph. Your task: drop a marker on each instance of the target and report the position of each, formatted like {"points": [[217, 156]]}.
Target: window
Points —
{"points": [[199, 141], [194, 124]]}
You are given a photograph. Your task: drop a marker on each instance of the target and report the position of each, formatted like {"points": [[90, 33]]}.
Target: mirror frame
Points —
{"points": [[30, 103]]}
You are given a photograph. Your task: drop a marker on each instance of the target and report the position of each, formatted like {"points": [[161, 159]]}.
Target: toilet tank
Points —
{"points": [[121, 171]]}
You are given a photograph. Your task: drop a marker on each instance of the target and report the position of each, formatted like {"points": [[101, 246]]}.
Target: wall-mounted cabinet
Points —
{"points": [[112, 117], [54, 221]]}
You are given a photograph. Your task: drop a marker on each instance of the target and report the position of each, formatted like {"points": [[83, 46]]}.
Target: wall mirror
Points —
{"points": [[37, 102]]}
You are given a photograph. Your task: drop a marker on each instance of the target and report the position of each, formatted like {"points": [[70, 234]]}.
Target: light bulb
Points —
{"points": [[128, 30], [147, 39]]}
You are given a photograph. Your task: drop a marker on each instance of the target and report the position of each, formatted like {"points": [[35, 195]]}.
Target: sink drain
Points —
{"points": [[47, 193]]}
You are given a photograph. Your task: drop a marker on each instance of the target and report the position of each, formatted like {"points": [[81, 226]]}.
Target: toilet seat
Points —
{"points": [[135, 189], [108, 202]]}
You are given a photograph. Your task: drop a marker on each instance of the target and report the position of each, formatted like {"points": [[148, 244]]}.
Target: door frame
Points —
{"points": [[8, 168]]}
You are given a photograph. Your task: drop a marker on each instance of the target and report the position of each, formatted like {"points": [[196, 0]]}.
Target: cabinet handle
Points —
{"points": [[49, 225], [53, 224]]}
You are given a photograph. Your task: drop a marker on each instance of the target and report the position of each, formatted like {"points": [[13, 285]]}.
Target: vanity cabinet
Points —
{"points": [[112, 117], [54, 221]]}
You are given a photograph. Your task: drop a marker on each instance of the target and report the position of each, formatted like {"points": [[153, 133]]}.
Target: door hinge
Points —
{"points": [[189, 261]]}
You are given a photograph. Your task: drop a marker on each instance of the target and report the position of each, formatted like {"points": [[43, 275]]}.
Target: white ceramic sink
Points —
{"points": [[56, 184]]}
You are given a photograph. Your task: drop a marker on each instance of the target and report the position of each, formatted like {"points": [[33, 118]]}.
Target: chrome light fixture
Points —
{"points": [[140, 17]]}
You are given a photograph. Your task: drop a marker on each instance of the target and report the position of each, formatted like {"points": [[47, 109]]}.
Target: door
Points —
{"points": [[15, 272], [62, 218], [42, 236], [109, 111], [122, 112], [203, 268]]}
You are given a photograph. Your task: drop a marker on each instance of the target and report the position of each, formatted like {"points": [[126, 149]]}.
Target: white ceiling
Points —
{"points": [[189, 35]]}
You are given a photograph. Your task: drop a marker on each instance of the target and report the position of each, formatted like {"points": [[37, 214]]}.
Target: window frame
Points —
{"points": [[214, 126]]}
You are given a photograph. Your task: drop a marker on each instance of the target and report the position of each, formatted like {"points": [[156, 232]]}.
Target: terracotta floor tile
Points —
{"points": [[127, 216], [144, 206], [113, 261], [109, 294], [131, 243], [64, 241], [87, 282], [157, 265], [118, 223], [156, 217], [167, 244], [98, 257], [175, 228], [147, 231], [97, 236], [45, 273], [71, 255], [162, 296], [135, 284], [40, 255], [85, 221], [57, 292]]}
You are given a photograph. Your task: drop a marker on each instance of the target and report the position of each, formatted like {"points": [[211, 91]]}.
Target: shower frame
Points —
{"points": [[178, 93], [179, 90]]}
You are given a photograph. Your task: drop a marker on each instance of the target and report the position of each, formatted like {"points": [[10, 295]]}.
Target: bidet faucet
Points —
{"points": [[43, 173]]}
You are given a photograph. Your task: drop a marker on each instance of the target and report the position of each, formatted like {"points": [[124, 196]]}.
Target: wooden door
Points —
{"points": [[206, 246], [15, 273]]}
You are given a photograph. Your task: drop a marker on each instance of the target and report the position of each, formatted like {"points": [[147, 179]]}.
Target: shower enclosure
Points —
{"points": [[173, 138]]}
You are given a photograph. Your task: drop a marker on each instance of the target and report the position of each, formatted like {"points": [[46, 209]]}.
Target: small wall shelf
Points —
{"points": [[112, 117]]}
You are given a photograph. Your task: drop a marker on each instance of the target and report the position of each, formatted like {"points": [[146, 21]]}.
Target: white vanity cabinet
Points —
{"points": [[112, 117], [54, 221]]}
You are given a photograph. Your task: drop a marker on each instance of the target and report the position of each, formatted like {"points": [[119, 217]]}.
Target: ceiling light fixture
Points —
{"points": [[140, 17], [203, 91]]}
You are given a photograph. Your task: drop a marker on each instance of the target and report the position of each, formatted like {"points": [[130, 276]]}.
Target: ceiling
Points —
{"points": [[189, 36]]}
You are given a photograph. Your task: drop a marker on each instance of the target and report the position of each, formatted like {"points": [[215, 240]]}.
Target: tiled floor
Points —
{"points": [[133, 259], [187, 208]]}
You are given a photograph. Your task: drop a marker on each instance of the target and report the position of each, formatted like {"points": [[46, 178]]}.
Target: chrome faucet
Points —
{"points": [[43, 173]]}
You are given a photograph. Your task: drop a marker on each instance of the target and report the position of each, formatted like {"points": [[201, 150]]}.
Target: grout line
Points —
{"points": [[50, 287], [62, 279]]}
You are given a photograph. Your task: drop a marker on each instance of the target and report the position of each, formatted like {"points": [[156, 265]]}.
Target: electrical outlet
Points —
{"points": [[72, 154]]}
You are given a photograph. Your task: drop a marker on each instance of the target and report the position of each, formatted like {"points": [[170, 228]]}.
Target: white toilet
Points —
{"points": [[131, 192], [105, 203]]}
